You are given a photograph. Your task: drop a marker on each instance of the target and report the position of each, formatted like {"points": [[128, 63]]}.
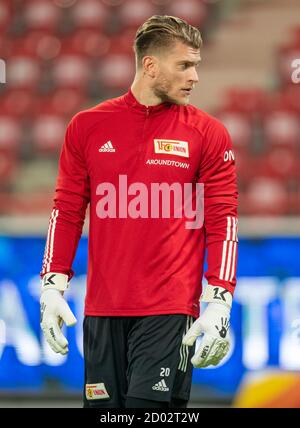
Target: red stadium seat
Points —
{"points": [[296, 34], [132, 13], [6, 47], [42, 14], [116, 71], [18, 103], [8, 167], [39, 44], [281, 127], [279, 162], [71, 71], [294, 201], [245, 165], [91, 43], [48, 134], [9, 161], [20, 203], [6, 13], [239, 127], [90, 14], [10, 133], [192, 11], [251, 101], [62, 102], [24, 72], [265, 196], [290, 98], [123, 42]]}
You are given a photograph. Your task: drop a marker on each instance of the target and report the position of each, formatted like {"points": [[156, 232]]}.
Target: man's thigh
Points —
{"points": [[159, 366], [105, 361]]}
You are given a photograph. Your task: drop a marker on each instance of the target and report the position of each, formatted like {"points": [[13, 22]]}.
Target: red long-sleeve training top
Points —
{"points": [[139, 262]]}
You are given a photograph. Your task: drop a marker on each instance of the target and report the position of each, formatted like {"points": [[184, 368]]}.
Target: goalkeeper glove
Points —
{"points": [[212, 326], [55, 311]]}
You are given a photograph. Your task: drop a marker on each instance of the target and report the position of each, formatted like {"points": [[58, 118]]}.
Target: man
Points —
{"points": [[145, 267]]}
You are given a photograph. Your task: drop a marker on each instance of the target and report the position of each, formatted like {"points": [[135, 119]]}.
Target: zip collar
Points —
{"points": [[134, 104]]}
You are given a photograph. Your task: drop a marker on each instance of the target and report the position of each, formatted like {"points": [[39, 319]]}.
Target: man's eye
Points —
{"points": [[188, 65]]}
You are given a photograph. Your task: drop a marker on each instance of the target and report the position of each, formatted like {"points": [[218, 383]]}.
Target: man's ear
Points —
{"points": [[150, 66]]}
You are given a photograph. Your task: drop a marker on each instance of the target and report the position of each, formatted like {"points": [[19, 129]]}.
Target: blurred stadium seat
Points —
{"points": [[8, 168], [132, 13], [24, 72], [90, 14], [279, 162], [6, 12], [252, 101], [90, 43], [48, 133], [116, 71], [18, 103], [71, 71], [265, 196], [42, 15], [239, 126], [9, 133], [122, 42], [38, 44], [27, 204], [63, 102], [193, 11], [289, 98], [281, 127]]}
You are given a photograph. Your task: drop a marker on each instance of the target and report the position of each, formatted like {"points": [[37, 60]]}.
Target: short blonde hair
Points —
{"points": [[162, 31]]}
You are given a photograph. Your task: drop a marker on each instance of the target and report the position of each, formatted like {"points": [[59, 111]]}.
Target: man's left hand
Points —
{"points": [[213, 326]]}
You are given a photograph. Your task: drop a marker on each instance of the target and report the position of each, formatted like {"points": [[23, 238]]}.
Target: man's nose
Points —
{"points": [[194, 75]]}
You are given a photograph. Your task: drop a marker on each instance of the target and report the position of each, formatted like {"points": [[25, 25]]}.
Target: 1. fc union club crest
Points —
{"points": [[171, 147], [96, 391]]}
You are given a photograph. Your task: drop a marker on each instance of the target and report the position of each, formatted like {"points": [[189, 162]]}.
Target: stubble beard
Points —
{"points": [[161, 90]]}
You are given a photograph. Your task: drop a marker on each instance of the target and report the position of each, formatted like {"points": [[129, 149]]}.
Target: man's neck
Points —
{"points": [[143, 93]]}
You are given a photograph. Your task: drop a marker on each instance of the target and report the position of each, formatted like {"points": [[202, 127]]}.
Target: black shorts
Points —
{"points": [[140, 357]]}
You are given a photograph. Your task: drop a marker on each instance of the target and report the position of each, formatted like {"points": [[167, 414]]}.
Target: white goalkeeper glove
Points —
{"points": [[55, 311], [213, 326]]}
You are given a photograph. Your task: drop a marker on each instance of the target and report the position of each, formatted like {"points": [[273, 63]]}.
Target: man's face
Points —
{"points": [[176, 73]]}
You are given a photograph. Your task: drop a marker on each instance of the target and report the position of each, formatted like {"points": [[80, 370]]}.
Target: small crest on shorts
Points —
{"points": [[96, 391]]}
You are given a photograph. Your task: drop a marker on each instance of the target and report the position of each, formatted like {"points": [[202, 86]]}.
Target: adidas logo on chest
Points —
{"points": [[107, 147]]}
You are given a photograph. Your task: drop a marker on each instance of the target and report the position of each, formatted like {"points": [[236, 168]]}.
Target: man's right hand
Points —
{"points": [[55, 311]]}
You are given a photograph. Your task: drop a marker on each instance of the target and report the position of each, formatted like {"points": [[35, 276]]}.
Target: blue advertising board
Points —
{"points": [[265, 319]]}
